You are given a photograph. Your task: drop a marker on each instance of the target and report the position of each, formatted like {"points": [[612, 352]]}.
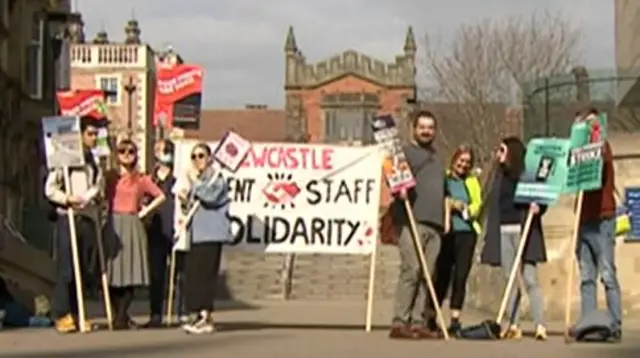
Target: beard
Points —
{"points": [[423, 141]]}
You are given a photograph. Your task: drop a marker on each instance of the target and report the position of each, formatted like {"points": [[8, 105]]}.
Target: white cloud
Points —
{"points": [[239, 42]]}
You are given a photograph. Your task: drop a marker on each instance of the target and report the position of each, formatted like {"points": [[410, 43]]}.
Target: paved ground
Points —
{"points": [[295, 330]]}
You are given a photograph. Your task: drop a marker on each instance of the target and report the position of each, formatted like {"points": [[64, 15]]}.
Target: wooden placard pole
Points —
{"points": [[75, 257], [515, 268], [425, 268], [571, 268]]}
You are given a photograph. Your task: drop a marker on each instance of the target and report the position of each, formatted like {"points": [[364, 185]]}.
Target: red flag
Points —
{"points": [[84, 102], [173, 84]]}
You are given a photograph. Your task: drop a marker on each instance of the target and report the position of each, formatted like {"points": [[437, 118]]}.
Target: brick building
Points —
{"points": [[126, 70], [326, 101]]}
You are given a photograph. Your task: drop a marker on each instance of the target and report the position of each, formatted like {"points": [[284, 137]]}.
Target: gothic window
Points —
{"points": [[347, 117]]}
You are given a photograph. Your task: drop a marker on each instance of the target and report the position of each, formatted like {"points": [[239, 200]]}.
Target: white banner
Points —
{"points": [[302, 198]]}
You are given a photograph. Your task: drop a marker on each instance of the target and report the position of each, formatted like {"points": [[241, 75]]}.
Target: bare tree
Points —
{"points": [[488, 66]]}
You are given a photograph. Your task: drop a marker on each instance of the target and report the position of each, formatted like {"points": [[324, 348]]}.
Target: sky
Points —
{"points": [[240, 42]]}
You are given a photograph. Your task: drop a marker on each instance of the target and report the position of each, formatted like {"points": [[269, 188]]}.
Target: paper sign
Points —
{"points": [[231, 151], [395, 166], [62, 142]]}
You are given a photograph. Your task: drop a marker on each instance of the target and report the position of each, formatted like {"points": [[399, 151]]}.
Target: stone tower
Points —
{"points": [[132, 32], [101, 38], [319, 94]]}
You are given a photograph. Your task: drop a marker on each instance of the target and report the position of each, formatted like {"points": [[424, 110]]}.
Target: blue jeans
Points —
{"points": [[596, 256], [509, 240]]}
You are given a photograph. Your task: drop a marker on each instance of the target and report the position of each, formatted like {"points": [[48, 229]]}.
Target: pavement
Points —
{"points": [[296, 329]]}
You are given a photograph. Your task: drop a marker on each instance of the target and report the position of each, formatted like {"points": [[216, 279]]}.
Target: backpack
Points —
{"points": [[596, 326]]}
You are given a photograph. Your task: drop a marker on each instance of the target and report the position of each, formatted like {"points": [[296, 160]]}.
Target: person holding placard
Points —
{"points": [[87, 185], [458, 245], [596, 244], [413, 314], [127, 247], [505, 221], [209, 229]]}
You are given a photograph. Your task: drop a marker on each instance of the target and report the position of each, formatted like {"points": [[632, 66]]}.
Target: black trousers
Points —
{"points": [[453, 266], [159, 252], [201, 276], [64, 295]]}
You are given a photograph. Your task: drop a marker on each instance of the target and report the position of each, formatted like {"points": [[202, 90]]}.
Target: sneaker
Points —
{"points": [[513, 332], [541, 333], [65, 324], [200, 325], [454, 327]]}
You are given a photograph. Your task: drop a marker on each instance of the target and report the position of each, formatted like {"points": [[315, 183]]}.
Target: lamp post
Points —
{"points": [[130, 88]]}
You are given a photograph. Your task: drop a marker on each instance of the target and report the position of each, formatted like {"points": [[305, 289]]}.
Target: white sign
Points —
{"points": [[231, 151], [62, 142], [290, 197]]}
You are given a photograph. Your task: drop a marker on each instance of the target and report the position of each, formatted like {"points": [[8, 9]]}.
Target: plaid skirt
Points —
{"points": [[126, 251]]}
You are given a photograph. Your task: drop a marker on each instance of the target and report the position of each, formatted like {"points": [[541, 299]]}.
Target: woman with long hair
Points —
{"points": [[127, 247], [458, 246], [503, 230], [208, 230]]}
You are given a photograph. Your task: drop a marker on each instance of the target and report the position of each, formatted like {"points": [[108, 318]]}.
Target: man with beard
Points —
{"points": [[413, 317]]}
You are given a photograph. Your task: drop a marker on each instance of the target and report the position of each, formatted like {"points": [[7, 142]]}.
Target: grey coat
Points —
{"points": [[535, 250]]}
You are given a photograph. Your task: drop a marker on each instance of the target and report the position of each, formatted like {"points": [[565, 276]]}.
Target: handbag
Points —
{"points": [[623, 219]]}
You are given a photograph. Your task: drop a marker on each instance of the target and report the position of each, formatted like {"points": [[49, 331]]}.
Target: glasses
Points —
{"points": [[195, 156], [129, 151]]}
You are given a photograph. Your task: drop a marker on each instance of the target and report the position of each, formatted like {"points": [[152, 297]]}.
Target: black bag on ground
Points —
{"points": [[486, 330], [597, 326]]}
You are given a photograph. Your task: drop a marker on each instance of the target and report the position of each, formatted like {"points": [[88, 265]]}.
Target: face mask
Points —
{"points": [[166, 158]]}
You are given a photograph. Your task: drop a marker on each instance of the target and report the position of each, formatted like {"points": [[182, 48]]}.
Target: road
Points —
{"points": [[293, 330]]}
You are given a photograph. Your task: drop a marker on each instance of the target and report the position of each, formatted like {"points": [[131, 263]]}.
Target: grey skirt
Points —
{"points": [[126, 251]]}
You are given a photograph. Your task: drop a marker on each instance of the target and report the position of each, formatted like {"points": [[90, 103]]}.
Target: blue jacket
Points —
{"points": [[211, 221]]}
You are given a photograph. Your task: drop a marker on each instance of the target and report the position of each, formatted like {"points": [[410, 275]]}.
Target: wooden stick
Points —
{"points": [[172, 276], [103, 273], [371, 289], [425, 268], [515, 268], [75, 256], [571, 269]]}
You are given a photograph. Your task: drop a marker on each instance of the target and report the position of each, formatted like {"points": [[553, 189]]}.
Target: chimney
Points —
{"points": [[252, 106]]}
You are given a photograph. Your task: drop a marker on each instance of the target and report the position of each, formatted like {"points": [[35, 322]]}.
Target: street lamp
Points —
{"points": [[130, 88]]}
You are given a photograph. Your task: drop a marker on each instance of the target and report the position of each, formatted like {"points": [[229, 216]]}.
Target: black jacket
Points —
{"points": [[535, 250]]}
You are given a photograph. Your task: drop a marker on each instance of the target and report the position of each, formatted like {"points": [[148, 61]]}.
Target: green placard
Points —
{"points": [[584, 169], [545, 171]]}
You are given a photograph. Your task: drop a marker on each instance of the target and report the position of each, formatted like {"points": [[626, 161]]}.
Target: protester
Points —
{"points": [[413, 317], [505, 221], [458, 246], [596, 243], [87, 183], [127, 251], [160, 232], [209, 228]]}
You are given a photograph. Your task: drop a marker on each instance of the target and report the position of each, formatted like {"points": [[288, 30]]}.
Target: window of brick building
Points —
{"points": [[347, 116], [110, 84]]}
